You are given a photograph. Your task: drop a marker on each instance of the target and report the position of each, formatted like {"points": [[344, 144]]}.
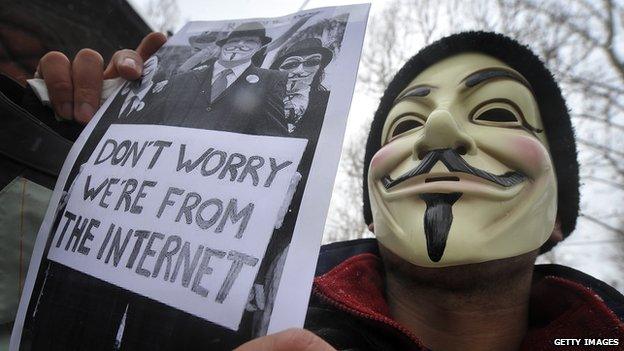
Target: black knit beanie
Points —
{"points": [[552, 107]]}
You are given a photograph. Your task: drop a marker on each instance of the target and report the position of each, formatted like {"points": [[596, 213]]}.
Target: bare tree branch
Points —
{"points": [[602, 223], [605, 181], [608, 46]]}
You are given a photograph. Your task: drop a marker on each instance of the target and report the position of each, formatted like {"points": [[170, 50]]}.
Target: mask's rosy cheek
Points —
{"points": [[379, 158], [377, 163], [530, 155], [385, 159]]}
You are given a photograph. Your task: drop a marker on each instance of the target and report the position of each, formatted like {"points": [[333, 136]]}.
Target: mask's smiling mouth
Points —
{"points": [[455, 163], [442, 179]]}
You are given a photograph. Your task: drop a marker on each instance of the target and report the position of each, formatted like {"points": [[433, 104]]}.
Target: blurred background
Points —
{"points": [[581, 41]]}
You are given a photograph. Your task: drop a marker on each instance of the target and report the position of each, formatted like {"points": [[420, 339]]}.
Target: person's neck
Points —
{"points": [[232, 64], [472, 307]]}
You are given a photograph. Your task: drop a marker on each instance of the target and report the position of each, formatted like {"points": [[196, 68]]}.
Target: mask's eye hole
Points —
{"points": [[498, 114], [404, 124]]}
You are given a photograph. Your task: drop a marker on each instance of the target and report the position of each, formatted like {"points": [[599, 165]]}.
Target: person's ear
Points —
{"points": [[371, 227], [557, 234]]}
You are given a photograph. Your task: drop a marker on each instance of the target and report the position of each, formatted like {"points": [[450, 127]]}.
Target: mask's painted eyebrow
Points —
{"points": [[492, 73], [417, 91]]}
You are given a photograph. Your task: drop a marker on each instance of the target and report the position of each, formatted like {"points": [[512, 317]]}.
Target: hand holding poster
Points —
{"points": [[189, 212]]}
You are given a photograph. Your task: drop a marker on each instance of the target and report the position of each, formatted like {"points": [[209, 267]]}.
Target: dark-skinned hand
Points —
{"points": [[75, 86], [287, 340]]}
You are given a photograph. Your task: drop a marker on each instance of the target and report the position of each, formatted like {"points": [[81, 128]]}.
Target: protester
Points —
{"points": [[306, 97], [458, 238]]}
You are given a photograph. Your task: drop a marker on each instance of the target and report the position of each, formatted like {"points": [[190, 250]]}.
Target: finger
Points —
{"points": [[55, 69], [87, 79], [291, 339], [150, 44], [126, 64]]}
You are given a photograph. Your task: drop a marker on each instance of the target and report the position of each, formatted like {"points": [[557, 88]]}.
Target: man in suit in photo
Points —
{"points": [[134, 95], [228, 93], [138, 94], [306, 97]]}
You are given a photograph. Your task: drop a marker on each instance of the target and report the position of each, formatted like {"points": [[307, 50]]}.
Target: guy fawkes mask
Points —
{"points": [[464, 174]]}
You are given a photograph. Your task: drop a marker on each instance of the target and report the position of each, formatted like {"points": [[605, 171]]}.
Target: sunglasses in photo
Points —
{"points": [[294, 64]]}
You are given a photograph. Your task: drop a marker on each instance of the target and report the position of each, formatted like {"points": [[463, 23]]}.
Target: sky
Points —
{"points": [[234, 9]]}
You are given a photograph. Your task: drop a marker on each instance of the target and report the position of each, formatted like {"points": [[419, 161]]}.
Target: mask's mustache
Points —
{"points": [[453, 161], [297, 75]]}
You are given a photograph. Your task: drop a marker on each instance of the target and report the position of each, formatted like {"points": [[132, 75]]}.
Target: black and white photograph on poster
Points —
{"points": [[197, 195]]}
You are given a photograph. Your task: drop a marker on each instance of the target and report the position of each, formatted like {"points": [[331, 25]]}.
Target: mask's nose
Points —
{"points": [[299, 70], [443, 132]]}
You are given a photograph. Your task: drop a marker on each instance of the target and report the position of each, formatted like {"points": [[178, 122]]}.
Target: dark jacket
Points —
{"points": [[33, 146], [33, 143], [252, 104], [348, 307]]}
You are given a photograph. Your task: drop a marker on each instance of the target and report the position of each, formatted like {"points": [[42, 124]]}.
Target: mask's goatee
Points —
{"points": [[438, 220]]}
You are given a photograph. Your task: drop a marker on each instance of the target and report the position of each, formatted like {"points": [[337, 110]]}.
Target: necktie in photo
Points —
{"points": [[129, 107], [219, 84]]}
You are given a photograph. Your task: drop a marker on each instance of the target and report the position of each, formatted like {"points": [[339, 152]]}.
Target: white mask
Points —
{"points": [[488, 191], [239, 49]]}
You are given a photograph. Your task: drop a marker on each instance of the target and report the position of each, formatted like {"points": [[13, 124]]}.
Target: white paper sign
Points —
{"points": [[180, 215], [189, 212]]}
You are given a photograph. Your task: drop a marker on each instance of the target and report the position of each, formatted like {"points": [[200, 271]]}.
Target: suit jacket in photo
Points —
{"points": [[252, 104]]}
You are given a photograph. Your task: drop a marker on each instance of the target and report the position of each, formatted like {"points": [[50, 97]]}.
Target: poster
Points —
{"points": [[189, 213]]}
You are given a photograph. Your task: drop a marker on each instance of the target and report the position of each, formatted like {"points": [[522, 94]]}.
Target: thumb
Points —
{"points": [[287, 340]]}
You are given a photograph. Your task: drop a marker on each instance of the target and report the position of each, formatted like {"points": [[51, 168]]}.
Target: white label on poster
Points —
{"points": [[180, 215]]}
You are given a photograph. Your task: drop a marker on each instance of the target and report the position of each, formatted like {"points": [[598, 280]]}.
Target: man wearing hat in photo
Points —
{"points": [[227, 93], [306, 98], [203, 48], [202, 40]]}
